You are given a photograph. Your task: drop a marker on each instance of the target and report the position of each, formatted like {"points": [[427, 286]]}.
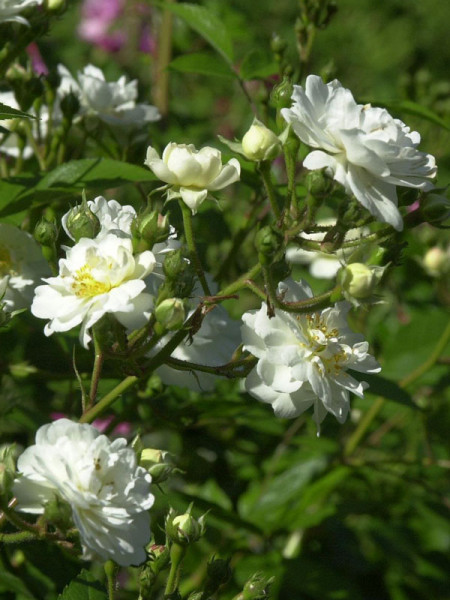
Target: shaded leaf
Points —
{"points": [[258, 64], [202, 63], [7, 112], [385, 387], [84, 587], [11, 583], [95, 171], [207, 24]]}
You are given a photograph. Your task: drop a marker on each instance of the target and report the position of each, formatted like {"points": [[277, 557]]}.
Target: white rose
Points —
{"points": [[303, 359], [22, 266], [192, 173], [98, 276], [108, 493], [113, 102], [364, 148]]}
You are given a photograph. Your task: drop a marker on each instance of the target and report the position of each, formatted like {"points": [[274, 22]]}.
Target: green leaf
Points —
{"points": [[19, 193], [271, 506], [7, 112], [95, 172], [207, 24], [202, 63], [390, 390], [84, 587], [258, 64], [11, 583], [413, 108]]}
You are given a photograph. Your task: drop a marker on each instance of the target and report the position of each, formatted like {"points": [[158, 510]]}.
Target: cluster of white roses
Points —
{"points": [[112, 102], [303, 360]]}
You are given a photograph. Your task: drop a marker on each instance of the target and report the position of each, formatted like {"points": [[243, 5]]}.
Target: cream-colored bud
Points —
{"points": [[358, 280], [436, 261], [260, 143]]}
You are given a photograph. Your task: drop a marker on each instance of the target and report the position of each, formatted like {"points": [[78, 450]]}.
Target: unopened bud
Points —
{"points": [[358, 280], [70, 105], [7, 469], [59, 512], [267, 242], [82, 222], [436, 261], [46, 232], [184, 529], [174, 264], [260, 143], [256, 588], [318, 183], [55, 6], [170, 313], [218, 571], [156, 462], [148, 229], [282, 93], [277, 44]]}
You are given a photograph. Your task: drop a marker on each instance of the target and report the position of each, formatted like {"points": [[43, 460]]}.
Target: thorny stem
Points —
{"points": [[189, 234], [95, 411], [303, 306], [18, 537], [366, 421]]}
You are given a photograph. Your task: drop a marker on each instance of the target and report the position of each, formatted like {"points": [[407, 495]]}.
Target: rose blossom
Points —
{"points": [[100, 480], [98, 276], [303, 359], [363, 147], [192, 173], [113, 102], [22, 266]]}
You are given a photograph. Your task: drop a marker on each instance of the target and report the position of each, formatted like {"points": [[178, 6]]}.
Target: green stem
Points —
{"points": [[95, 411], [97, 369], [242, 282], [303, 306], [177, 553], [189, 234], [110, 569], [366, 421], [32, 142], [265, 170], [17, 538], [289, 161]]}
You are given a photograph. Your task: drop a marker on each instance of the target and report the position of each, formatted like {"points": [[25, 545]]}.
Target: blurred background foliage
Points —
{"points": [[334, 517]]}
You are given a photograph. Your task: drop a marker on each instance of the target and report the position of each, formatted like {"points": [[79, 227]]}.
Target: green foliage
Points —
{"points": [[84, 587]]}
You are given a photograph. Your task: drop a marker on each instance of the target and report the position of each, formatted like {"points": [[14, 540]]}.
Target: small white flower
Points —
{"points": [[303, 359], [108, 493], [323, 265], [192, 173], [98, 276], [436, 261], [113, 102], [22, 266], [10, 10], [364, 148]]}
